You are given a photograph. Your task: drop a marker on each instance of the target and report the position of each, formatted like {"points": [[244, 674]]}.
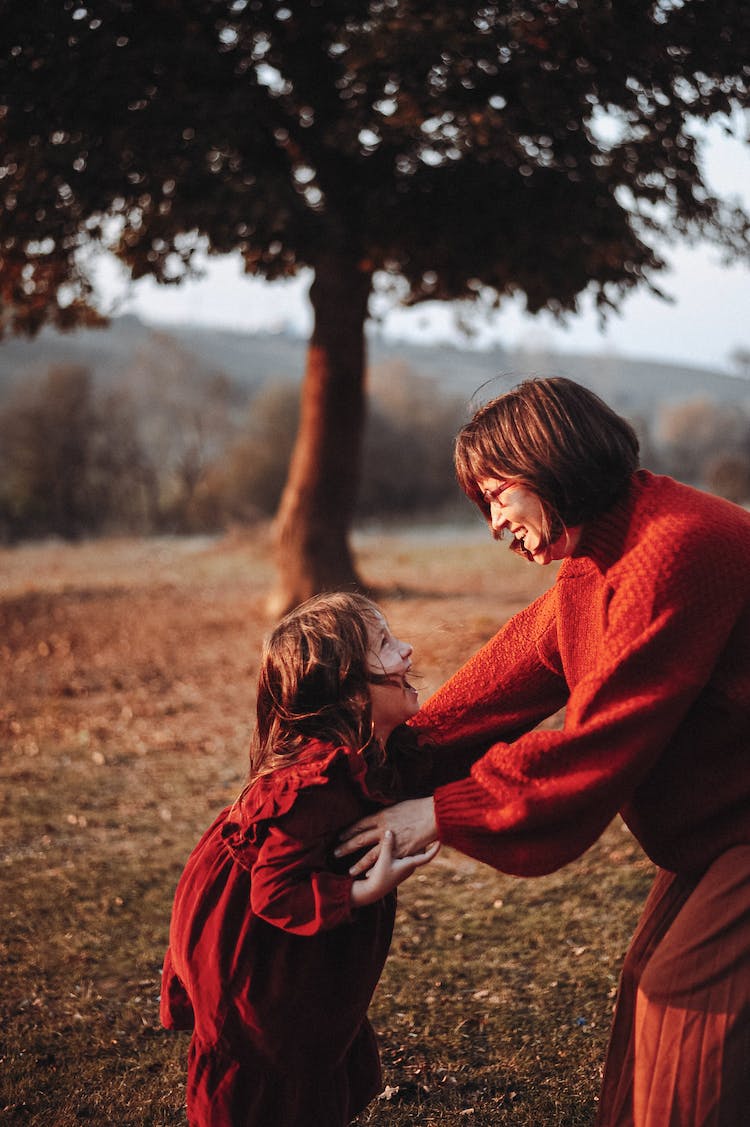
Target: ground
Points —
{"points": [[128, 669]]}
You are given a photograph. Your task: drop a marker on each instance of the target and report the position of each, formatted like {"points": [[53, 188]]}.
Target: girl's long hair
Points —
{"points": [[314, 680]]}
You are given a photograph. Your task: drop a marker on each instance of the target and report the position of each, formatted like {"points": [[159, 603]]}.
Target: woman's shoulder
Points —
{"points": [[662, 518], [679, 521], [679, 540]]}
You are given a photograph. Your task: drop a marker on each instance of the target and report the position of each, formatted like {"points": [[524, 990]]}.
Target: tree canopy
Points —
{"points": [[447, 150], [454, 147]]}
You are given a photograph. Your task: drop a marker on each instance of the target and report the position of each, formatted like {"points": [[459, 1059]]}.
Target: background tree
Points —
{"points": [[408, 446], [188, 412], [71, 463], [253, 472], [728, 475], [448, 149], [689, 435]]}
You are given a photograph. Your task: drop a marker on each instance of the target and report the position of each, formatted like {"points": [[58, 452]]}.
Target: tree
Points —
{"points": [[186, 419], [691, 433], [70, 461], [445, 150], [255, 466], [408, 444], [728, 475], [47, 433]]}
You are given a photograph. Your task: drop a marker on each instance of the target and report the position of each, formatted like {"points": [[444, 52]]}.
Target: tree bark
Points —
{"points": [[311, 529]]}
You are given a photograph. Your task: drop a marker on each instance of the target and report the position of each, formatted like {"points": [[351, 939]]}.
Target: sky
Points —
{"points": [[707, 320]]}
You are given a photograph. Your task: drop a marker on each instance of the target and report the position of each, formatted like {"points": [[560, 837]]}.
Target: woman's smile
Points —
{"points": [[516, 509]]}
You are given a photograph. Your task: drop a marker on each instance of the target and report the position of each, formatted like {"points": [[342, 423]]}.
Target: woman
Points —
{"points": [[645, 639]]}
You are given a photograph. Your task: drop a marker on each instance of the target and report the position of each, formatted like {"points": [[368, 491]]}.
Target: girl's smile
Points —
{"points": [[395, 700]]}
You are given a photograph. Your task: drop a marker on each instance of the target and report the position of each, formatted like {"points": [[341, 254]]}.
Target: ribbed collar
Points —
{"points": [[604, 539]]}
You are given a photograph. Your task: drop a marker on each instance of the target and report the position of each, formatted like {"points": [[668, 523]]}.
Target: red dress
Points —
{"points": [[267, 962]]}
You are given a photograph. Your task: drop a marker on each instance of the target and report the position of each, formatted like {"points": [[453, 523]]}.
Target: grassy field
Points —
{"points": [[128, 671]]}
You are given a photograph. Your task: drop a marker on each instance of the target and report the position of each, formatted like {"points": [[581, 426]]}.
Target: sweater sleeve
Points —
{"points": [[508, 687], [533, 805], [293, 886]]}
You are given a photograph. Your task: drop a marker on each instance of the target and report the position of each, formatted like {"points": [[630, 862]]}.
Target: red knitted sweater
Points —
{"points": [[645, 639]]}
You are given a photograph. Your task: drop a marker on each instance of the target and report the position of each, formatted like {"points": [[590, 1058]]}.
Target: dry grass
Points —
{"points": [[128, 671]]}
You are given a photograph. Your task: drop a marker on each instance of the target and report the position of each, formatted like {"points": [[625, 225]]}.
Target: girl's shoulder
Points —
{"points": [[320, 764]]}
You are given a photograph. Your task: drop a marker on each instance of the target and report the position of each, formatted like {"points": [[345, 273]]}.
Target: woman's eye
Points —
{"points": [[491, 495]]}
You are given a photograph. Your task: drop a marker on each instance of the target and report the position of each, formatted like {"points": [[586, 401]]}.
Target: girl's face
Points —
{"points": [[396, 701], [517, 509]]}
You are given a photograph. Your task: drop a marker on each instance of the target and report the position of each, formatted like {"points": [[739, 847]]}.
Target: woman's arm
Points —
{"points": [[537, 802], [533, 805], [504, 690]]}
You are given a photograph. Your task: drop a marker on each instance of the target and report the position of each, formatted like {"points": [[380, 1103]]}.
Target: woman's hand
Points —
{"points": [[388, 872], [412, 824]]}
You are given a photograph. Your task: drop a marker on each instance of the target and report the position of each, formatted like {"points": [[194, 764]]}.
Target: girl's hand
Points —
{"points": [[412, 824], [388, 872]]}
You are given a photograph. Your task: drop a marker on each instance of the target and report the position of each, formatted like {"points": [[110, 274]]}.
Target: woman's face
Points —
{"points": [[517, 509], [396, 701]]}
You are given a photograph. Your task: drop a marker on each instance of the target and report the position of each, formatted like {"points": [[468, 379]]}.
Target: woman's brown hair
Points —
{"points": [[560, 440], [313, 680]]}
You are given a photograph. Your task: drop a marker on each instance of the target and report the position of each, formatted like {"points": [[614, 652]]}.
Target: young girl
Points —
{"points": [[275, 950]]}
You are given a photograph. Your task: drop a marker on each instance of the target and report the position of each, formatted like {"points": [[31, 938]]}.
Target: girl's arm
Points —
{"points": [[175, 1007], [388, 871], [293, 885]]}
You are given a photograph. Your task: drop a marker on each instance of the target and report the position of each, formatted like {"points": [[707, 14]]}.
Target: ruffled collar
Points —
{"points": [[274, 794]]}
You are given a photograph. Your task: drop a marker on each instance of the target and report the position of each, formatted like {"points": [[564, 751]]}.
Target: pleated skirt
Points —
{"points": [[679, 1052]]}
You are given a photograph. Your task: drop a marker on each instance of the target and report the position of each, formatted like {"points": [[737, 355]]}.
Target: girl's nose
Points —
{"points": [[497, 520]]}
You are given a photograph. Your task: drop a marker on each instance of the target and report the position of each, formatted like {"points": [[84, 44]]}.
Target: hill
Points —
{"points": [[632, 385]]}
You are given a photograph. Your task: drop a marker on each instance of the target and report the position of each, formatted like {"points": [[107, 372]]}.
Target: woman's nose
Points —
{"points": [[497, 519]]}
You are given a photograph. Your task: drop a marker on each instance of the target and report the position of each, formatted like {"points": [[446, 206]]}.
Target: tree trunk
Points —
{"points": [[311, 530]]}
